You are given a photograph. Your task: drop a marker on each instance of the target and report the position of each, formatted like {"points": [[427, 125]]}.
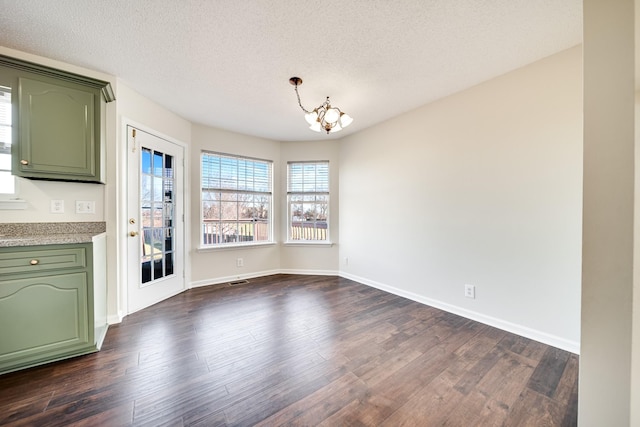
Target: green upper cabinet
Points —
{"points": [[59, 132], [58, 122]]}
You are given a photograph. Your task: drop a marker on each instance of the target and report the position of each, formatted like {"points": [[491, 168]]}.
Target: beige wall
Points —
{"points": [[311, 258], [608, 230], [482, 188], [210, 266]]}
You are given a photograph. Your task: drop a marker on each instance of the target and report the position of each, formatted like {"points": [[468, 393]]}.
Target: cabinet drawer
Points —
{"points": [[42, 260]]}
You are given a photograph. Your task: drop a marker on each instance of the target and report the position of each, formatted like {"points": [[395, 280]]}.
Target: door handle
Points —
{"points": [[133, 233]]}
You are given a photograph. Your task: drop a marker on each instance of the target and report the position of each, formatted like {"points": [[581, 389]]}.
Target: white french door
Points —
{"points": [[155, 204]]}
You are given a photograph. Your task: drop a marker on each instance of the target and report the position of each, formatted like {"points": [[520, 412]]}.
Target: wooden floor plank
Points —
{"points": [[547, 375], [298, 350], [321, 404]]}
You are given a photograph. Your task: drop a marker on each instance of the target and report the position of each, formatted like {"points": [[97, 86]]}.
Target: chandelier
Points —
{"points": [[325, 117]]}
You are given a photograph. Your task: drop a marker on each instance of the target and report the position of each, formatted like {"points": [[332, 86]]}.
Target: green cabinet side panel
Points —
{"points": [[59, 131]]}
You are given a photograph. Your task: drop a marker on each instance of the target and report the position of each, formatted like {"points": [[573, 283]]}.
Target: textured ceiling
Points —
{"points": [[226, 63]]}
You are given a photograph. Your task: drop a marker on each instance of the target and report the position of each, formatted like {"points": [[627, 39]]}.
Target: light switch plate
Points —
{"points": [[85, 206], [57, 206]]}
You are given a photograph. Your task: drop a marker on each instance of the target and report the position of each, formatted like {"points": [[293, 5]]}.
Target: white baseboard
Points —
{"points": [[115, 318], [311, 272], [543, 337]]}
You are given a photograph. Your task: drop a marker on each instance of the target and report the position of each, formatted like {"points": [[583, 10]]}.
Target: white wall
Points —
{"points": [[209, 266], [38, 196], [302, 258], [484, 188]]}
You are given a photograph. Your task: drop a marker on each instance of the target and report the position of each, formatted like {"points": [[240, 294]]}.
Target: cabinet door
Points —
{"points": [[59, 131], [43, 318]]}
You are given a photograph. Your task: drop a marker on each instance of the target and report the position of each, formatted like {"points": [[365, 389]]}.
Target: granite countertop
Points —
{"points": [[48, 233]]}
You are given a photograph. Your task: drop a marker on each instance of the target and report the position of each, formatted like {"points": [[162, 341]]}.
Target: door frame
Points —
{"points": [[122, 225]]}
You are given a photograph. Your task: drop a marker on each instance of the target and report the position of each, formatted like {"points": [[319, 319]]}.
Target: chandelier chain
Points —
{"points": [[299, 102]]}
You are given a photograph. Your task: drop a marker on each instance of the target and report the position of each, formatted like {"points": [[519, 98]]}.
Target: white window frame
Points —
{"points": [[211, 229], [312, 187]]}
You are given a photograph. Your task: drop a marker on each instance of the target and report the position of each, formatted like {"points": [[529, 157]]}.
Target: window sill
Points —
{"points": [[13, 204], [235, 246], [308, 243]]}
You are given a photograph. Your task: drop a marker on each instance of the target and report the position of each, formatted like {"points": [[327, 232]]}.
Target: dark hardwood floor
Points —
{"points": [[298, 350]]}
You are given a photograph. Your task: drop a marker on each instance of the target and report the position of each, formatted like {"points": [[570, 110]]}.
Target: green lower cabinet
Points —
{"points": [[46, 314], [46, 317]]}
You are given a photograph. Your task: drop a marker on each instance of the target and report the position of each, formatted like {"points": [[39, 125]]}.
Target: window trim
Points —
{"points": [[202, 246], [305, 242]]}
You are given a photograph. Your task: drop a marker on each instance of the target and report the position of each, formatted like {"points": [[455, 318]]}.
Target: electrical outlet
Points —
{"points": [[469, 291], [57, 206], [239, 262], [346, 260]]}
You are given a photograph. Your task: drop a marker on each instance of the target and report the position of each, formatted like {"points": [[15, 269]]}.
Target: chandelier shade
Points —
{"points": [[325, 117]]}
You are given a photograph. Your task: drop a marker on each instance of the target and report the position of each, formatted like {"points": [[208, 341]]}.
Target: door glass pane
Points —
{"points": [[146, 271], [157, 163], [168, 240], [146, 161], [145, 214], [157, 215], [168, 263]]}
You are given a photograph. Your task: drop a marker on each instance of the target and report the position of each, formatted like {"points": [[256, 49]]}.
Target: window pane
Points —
{"points": [[5, 137], [5, 162], [236, 193], [229, 210], [308, 194], [5, 120], [7, 183], [211, 210]]}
